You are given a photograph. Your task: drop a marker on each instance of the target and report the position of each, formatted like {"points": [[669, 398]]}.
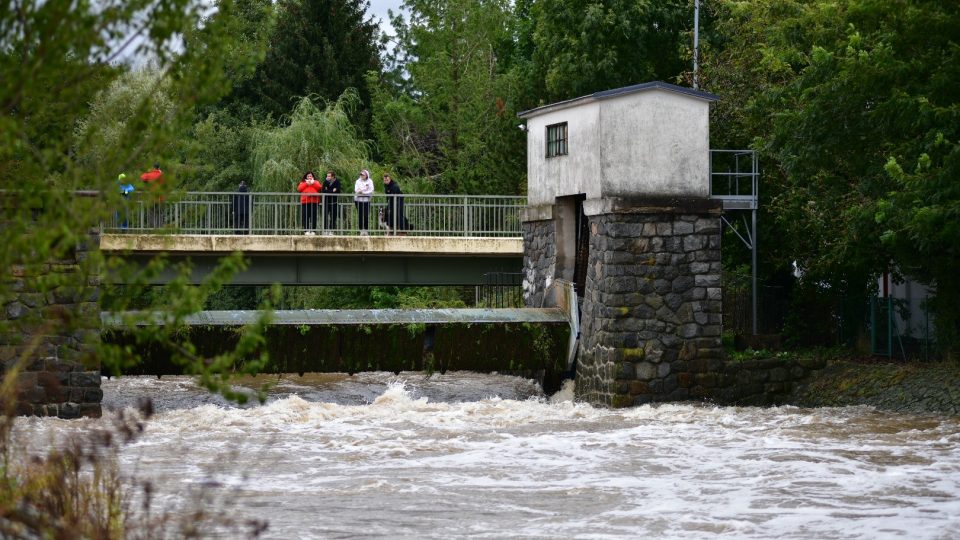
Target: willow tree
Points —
{"points": [[317, 137]]}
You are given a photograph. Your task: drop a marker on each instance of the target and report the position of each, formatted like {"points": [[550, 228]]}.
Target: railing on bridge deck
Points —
{"points": [[281, 214]]}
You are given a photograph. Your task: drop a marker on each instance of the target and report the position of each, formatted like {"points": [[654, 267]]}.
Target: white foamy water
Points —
{"points": [[380, 456]]}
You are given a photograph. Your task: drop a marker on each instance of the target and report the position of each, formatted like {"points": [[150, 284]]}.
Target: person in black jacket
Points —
{"points": [[396, 219], [241, 209], [331, 200]]}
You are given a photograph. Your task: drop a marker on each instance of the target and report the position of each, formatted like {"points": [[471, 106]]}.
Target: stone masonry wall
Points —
{"points": [[51, 322], [651, 313], [762, 381], [539, 260]]}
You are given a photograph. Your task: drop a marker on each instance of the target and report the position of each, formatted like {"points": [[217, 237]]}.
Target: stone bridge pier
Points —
{"points": [[649, 293]]}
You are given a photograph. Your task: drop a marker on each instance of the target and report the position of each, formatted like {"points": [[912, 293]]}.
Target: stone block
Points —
{"points": [[682, 227], [69, 410], [673, 300], [654, 301], [663, 370], [639, 387], [694, 243], [85, 378], [778, 374], [90, 410], [673, 244], [679, 394], [626, 371], [15, 310], [645, 371], [688, 331], [707, 225], [93, 395], [622, 401], [684, 380], [682, 284], [662, 286], [707, 280], [666, 315], [706, 380], [774, 388]]}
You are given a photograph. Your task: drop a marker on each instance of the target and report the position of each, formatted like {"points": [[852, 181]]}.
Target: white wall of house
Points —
{"points": [[655, 143], [577, 172], [650, 142]]}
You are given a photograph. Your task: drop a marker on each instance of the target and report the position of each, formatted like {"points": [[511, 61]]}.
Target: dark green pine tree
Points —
{"points": [[319, 47]]}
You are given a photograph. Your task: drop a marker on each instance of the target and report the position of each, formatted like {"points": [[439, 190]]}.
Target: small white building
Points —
{"points": [[650, 139]]}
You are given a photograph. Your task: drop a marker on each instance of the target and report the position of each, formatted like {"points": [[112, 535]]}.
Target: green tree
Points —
{"points": [[854, 108], [584, 46], [56, 59], [452, 121], [317, 47]]}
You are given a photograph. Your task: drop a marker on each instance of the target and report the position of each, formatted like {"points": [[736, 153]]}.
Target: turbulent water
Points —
{"points": [[455, 455]]}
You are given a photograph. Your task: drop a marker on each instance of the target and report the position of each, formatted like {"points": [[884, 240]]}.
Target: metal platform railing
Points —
{"points": [[283, 214], [734, 176]]}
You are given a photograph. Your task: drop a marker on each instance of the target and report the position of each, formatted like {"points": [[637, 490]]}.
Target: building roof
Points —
{"points": [[606, 94]]}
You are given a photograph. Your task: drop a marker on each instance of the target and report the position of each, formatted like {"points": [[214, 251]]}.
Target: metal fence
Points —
{"points": [[734, 175], [283, 214], [501, 290]]}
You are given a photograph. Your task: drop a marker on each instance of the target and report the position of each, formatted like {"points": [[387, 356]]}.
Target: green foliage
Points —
{"points": [[584, 46], [120, 118], [379, 297], [221, 153], [446, 113], [316, 47], [315, 139], [854, 106]]}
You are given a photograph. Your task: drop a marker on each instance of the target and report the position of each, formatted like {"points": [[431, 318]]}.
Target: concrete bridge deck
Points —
{"points": [[330, 260]]}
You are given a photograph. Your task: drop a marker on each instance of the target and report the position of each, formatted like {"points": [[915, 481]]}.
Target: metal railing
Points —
{"points": [[734, 175], [283, 214]]}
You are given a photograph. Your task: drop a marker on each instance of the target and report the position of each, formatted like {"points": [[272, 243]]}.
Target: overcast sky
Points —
{"points": [[378, 9]]}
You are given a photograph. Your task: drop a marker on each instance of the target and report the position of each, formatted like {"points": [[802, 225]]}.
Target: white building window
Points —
{"points": [[557, 140]]}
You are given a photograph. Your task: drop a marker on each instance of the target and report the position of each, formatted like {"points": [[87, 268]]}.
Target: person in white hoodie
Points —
{"points": [[363, 189]]}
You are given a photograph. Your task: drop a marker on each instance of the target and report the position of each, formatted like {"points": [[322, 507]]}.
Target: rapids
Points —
{"points": [[382, 456]]}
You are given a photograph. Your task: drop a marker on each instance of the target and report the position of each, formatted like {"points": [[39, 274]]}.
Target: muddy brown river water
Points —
{"points": [[486, 456]]}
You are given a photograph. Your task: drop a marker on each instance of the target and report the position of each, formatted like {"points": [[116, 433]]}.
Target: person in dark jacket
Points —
{"points": [[396, 219], [241, 209], [331, 202]]}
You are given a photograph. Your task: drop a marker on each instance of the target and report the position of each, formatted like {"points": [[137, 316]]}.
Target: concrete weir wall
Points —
{"points": [[51, 326]]}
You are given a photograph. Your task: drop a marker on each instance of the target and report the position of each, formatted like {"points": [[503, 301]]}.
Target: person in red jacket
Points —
{"points": [[310, 197], [153, 181]]}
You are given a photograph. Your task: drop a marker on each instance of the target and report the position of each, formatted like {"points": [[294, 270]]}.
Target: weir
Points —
{"points": [[621, 228], [537, 343]]}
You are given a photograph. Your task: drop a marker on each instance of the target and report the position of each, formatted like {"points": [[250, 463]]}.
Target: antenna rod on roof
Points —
{"points": [[696, 38]]}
